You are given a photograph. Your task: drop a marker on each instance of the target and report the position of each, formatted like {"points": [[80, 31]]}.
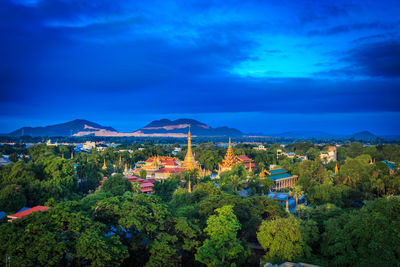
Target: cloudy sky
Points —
{"points": [[259, 66]]}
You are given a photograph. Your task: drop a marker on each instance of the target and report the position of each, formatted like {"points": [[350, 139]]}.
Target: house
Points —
{"points": [[26, 212], [329, 155], [281, 177]]}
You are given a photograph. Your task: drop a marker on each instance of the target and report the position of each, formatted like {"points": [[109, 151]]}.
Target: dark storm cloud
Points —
{"points": [[354, 27], [114, 56], [374, 60]]}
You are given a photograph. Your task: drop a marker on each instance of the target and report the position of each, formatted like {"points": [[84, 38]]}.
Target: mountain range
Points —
{"points": [[172, 128], [158, 128]]}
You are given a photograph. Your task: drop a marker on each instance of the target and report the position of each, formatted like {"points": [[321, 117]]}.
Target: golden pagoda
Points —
{"points": [[72, 154], [104, 165], [189, 163], [229, 160], [126, 168], [336, 169], [189, 187]]}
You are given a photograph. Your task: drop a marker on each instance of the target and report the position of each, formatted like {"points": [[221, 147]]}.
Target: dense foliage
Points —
{"points": [[352, 217]]}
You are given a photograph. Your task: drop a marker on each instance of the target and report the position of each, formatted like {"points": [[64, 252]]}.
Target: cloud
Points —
{"points": [[345, 28], [373, 60]]}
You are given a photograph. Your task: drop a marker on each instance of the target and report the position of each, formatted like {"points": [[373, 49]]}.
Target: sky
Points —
{"points": [[259, 66]]}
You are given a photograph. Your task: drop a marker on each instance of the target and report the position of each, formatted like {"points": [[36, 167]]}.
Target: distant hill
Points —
{"points": [[63, 129], [166, 126], [158, 128], [363, 136]]}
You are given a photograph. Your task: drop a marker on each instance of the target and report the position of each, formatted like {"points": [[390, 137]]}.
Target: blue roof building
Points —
{"points": [[282, 178]]}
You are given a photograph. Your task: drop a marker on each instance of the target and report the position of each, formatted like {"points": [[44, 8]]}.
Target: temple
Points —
{"points": [[190, 163], [281, 177], [231, 160], [160, 167]]}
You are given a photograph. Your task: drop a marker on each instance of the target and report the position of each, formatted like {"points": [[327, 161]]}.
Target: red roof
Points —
{"points": [[24, 213], [171, 170], [146, 185], [150, 180], [147, 189], [245, 158]]}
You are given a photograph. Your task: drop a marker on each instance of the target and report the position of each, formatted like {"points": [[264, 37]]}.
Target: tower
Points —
{"points": [[229, 159], [189, 162], [336, 169], [104, 165]]}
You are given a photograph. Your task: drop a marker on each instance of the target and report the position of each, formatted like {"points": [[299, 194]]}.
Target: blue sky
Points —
{"points": [[259, 66]]}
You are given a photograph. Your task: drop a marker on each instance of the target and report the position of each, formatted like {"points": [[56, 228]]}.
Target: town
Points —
{"points": [[162, 204]]}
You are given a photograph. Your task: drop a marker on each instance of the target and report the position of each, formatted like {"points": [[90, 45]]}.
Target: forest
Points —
{"points": [[352, 217]]}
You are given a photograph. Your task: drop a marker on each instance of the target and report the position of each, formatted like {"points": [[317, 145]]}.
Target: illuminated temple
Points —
{"points": [[231, 160], [161, 167]]}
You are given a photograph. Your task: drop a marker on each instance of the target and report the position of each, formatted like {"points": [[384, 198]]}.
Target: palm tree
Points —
{"points": [[136, 187], [297, 192]]}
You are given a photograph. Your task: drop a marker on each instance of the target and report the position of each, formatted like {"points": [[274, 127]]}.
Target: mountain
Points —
{"points": [[363, 136], [181, 126], [159, 128], [63, 129]]}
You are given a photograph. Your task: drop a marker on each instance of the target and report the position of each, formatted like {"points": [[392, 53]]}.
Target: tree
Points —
{"points": [[282, 239], [12, 198], [365, 238], [297, 192], [222, 247], [164, 189], [117, 185], [143, 174]]}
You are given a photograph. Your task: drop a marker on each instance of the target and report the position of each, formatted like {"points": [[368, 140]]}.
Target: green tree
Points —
{"points": [[117, 185], [282, 239], [222, 248], [143, 174], [12, 198], [369, 237]]}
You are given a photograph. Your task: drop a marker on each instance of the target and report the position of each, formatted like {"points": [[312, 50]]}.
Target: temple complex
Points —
{"points": [[231, 160], [161, 167], [281, 177]]}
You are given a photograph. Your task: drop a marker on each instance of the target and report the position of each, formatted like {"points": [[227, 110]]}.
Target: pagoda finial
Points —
{"points": [[336, 169], [189, 162], [287, 205], [126, 168], [229, 145], [189, 188], [104, 165], [120, 160]]}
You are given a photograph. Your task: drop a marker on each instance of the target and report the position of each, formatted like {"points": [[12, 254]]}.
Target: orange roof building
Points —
{"points": [[27, 212]]}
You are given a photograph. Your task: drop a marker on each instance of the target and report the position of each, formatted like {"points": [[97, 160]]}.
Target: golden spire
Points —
{"points": [[189, 163], [189, 189], [287, 205], [336, 169], [229, 159], [126, 168], [262, 174], [104, 165], [120, 160], [72, 154]]}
